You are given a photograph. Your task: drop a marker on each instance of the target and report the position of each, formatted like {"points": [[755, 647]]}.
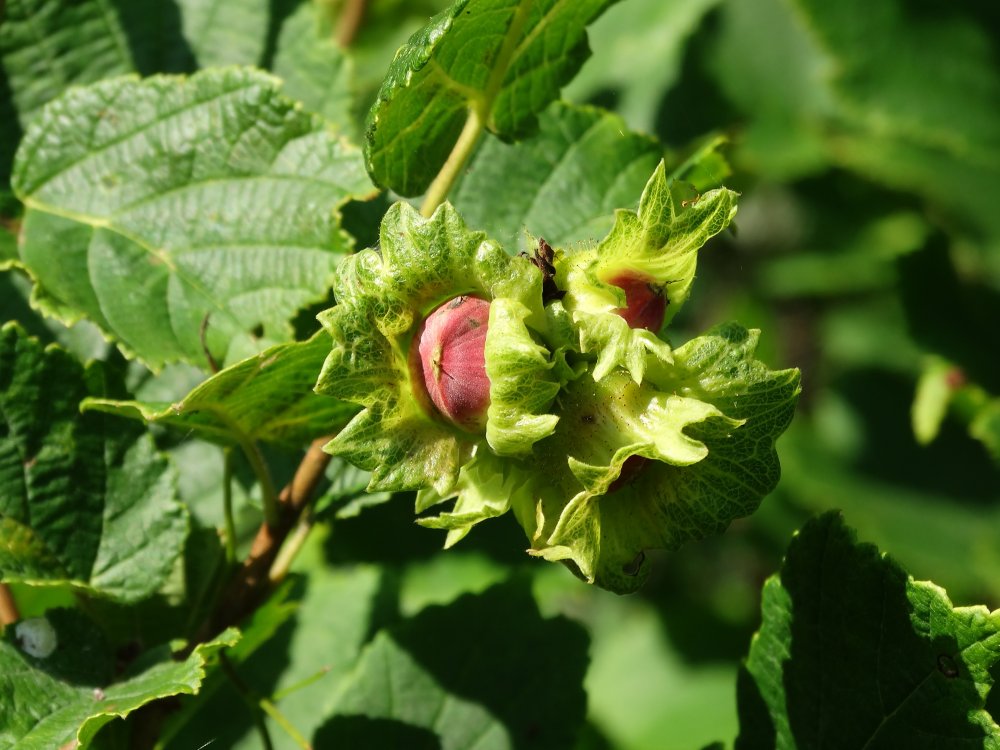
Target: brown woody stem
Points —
{"points": [[251, 583], [8, 607]]}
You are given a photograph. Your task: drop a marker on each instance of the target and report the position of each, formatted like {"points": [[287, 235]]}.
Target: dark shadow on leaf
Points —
{"points": [[592, 738], [280, 10], [695, 105], [155, 37], [80, 655], [756, 726], [387, 534], [493, 649], [364, 731], [860, 670], [10, 133], [881, 401], [948, 316], [526, 670], [708, 594]]}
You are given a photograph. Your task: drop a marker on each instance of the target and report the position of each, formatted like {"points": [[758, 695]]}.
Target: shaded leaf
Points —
{"points": [[532, 696], [562, 183], [315, 70], [226, 32], [82, 501], [69, 693], [267, 397], [637, 56], [985, 427], [47, 46], [158, 207], [839, 616], [503, 60], [296, 651], [347, 495]]}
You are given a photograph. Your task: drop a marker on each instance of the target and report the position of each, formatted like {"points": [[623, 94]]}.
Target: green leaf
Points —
{"points": [[562, 183], [315, 70], [267, 397], [161, 207], [67, 691], [410, 684], [291, 659], [503, 61], [888, 99], [658, 244], [638, 49], [46, 46], [82, 501], [347, 496], [383, 297], [222, 32], [985, 427], [772, 68], [934, 392], [838, 615], [706, 443], [848, 267]]}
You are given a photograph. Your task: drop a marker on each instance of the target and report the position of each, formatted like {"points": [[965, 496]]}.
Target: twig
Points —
{"points": [[227, 505], [247, 696], [291, 547], [259, 706], [457, 159], [8, 607], [351, 16], [251, 583], [480, 110]]}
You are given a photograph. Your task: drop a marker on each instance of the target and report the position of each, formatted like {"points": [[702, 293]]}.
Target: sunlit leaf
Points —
{"points": [[83, 500], [183, 214], [268, 397], [505, 60]]}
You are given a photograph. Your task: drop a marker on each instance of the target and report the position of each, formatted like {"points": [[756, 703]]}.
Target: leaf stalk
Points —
{"points": [[457, 159]]}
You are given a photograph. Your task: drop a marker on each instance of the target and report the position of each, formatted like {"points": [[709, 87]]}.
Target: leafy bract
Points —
{"points": [[562, 183], [383, 296], [50, 698], [701, 452], [658, 244], [183, 214], [409, 691], [82, 500], [267, 397], [502, 61], [840, 614]]}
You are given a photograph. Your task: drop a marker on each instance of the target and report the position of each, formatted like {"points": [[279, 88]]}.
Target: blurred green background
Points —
{"points": [[865, 140]]}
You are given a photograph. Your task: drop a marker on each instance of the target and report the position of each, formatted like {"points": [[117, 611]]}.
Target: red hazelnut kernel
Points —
{"points": [[451, 347], [645, 302]]}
